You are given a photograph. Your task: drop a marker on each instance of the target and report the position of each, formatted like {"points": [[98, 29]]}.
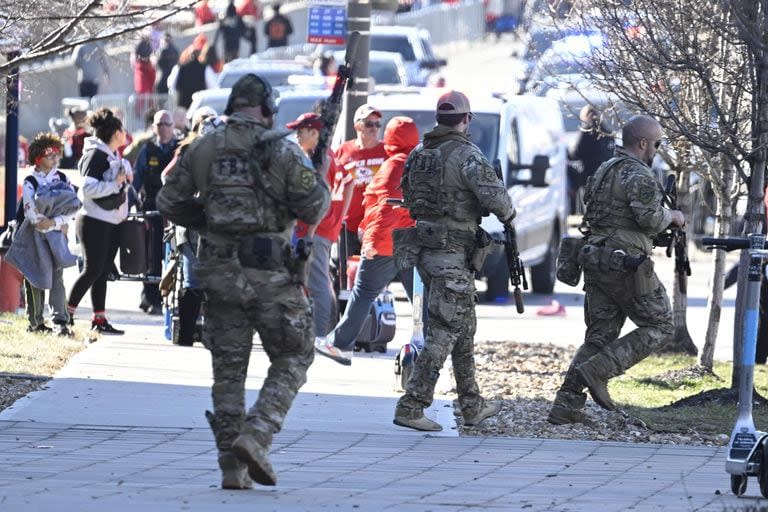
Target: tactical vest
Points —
{"points": [[423, 181], [603, 210], [157, 161], [240, 197]]}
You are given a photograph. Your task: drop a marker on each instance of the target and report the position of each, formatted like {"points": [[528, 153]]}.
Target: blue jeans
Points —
{"points": [[372, 276]]}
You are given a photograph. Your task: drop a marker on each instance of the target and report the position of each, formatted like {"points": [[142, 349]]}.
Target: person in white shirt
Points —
{"points": [[44, 153]]}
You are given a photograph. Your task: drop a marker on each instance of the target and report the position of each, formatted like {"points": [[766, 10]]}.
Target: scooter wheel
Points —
{"points": [[738, 484], [762, 475]]}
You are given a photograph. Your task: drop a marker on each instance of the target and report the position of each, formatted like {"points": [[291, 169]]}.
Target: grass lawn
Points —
{"points": [[649, 397], [33, 354]]}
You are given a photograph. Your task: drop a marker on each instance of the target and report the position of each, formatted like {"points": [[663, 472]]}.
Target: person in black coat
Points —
{"points": [[595, 145]]}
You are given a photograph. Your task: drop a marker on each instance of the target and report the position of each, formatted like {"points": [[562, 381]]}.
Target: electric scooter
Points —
{"points": [[748, 448]]}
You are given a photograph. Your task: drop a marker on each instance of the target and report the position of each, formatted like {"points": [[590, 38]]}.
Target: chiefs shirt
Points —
{"points": [[363, 164]]}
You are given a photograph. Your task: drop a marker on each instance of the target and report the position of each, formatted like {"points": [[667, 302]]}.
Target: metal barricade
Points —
{"points": [[139, 104], [117, 103]]}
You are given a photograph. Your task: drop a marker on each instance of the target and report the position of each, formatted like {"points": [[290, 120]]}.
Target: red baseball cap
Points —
{"points": [[306, 120]]}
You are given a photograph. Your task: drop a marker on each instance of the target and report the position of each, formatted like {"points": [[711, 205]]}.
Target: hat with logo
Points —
{"points": [[453, 102], [306, 120], [364, 111]]}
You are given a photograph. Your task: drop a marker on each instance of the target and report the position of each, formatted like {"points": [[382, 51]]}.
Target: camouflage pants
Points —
{"points": [[281, 316], [611, 298], [450, 330]]}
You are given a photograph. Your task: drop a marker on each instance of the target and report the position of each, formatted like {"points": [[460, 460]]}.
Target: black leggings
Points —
{"points": [[100, 241]]}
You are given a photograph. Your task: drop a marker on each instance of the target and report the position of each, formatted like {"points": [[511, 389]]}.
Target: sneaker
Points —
{"points": [[62, 330], [155, 309], [423, 423], [41, 329], [560, 415], [327, 349], [252, 454], [488, 410], [234, 474], [598, 388], [104, 327], [144, 306]]}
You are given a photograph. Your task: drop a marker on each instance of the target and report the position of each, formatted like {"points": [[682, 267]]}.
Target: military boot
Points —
{"points": [[489, 409], [560, 415], [253, 453], [234, 474], [597, 384], [416, 420]]}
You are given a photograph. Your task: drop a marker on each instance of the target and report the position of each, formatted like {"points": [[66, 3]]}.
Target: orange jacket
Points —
{"points": [[380, 219]]}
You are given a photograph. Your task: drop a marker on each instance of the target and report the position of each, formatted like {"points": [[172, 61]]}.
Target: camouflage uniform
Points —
{"points": [[624, 211], [469, 186], [250, 277]]}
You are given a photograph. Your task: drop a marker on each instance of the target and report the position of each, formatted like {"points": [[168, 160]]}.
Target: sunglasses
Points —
{"points": [[372, 124], [164, 124], [657, 144]]}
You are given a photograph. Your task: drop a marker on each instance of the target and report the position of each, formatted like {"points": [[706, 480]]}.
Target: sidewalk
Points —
{"points": [[121, 427]]}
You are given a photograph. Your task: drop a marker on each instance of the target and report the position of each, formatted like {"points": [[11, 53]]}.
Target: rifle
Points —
{"points": [[515, 264], [678, 239], [332, 107]]}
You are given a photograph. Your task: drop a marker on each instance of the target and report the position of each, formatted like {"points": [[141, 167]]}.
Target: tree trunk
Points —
{"points": [[681, 341], [723, 219]]}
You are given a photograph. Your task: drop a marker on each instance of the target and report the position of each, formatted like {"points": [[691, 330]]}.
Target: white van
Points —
{"points": [[513, 130]]}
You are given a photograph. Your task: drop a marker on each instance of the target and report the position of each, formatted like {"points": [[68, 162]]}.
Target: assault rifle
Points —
{"points": [[677, 238], [332, 107], [515, 264]]}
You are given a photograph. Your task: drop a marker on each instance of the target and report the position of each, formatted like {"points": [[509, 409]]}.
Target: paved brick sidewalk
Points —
{"points": [[84, 468]]}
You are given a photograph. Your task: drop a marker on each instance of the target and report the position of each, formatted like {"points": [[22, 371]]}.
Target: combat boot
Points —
{"points": [[254, 455], [234, 474], [597, 385], [489, 409], [560, 415], [420, 422]]}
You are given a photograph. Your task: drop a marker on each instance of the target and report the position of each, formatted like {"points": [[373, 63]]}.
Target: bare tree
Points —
{"points": [[34, 30], [693, 66]]}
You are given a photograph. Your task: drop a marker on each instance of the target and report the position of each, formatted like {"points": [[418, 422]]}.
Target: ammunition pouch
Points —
{"points": [[407, 249], [263, 253], [482, 248], [568, 266], [596, 258], [431, 235]]}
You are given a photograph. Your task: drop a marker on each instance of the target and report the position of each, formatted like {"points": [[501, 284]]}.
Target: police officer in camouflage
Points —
{"points": [[624, 211], [447, 186], [242, 186]]}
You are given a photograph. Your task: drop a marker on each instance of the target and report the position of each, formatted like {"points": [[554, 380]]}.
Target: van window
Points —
{"points": [[483, 130], [396, 44]]}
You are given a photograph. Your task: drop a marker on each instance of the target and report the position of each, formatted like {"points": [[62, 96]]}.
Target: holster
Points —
{"points": [[606, 259], [482, 248], [407, 249], [568, 266]]}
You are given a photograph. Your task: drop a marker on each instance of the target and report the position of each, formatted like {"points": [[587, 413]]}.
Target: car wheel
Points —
{"points": [[544, 274], [498, 283]]}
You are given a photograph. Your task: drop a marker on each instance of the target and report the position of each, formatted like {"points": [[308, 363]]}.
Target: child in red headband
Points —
{"points": [[44, 154]]}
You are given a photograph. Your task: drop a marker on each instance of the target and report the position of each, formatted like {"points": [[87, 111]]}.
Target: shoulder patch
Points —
{"points": [[307, 179], [646, 193]]}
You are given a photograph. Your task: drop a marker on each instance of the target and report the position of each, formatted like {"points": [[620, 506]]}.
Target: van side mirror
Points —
{"points": [[539, 171], [537, 176]]}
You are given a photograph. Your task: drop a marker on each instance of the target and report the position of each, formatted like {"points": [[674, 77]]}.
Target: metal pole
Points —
{"points": [[359, 19], [11, 139]]}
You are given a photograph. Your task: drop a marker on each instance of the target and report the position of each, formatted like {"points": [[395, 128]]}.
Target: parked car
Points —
{"points": [[414, 46], [291, 102], [514, 130], [385, 68], [276, 72], [566, 61]]}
